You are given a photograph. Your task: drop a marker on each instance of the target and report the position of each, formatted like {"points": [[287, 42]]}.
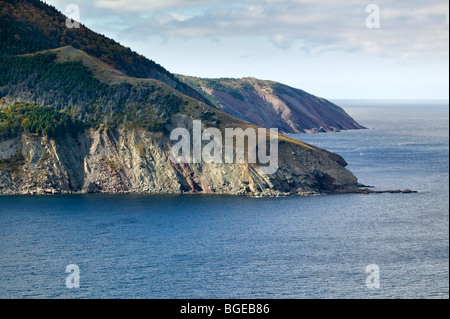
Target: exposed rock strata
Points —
{"points": [[138, 161]]}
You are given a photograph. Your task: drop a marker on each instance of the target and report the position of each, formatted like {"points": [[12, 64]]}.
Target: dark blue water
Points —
{"points": [[231, 247]]}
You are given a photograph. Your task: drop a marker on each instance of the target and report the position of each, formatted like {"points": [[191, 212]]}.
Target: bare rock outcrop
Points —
{"points": [[139, 161]]}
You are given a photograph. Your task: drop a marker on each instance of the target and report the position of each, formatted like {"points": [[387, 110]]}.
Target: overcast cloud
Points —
{"points": [[408, 28], [320, 45]]}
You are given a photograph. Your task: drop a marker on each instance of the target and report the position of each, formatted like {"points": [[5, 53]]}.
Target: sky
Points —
{"points": [[352, 49]]}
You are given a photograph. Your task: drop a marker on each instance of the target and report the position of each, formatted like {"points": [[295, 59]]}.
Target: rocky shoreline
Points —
{"points": [[50, 192], [367, 191], [127, 161], [138, 162]]}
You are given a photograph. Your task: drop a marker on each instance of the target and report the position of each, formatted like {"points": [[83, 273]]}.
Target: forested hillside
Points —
{"points": [[28, 26], [31, 118], [71, 87]]}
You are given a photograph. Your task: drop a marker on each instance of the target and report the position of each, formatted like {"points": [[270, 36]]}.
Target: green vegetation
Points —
{"points": [[57, 84], [72, 88], [36, 119], [198, 84], [230, 86], [209, 118], [29, 26]]}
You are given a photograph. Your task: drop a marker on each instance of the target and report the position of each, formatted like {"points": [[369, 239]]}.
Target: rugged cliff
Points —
{"points": [[100, 120], [139, 161], [273, 105]]}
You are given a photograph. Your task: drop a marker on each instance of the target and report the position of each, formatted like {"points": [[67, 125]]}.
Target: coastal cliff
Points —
{"points": [[272, 104], [80, 113], [139, 161]]}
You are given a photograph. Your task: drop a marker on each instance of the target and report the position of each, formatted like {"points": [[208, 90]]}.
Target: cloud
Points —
{"points": [[408, 28], [138, 6]]}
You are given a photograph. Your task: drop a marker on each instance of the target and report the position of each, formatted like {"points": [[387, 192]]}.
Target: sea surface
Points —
{"points": [[189, 246]]}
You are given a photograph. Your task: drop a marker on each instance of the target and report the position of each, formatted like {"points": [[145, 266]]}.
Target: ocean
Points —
{"points": [[220, 247]]}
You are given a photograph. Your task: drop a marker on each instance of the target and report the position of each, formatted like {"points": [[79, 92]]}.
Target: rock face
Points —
{"points": [[127, 106], [138, 161], [274, 105], [128, 158]]}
